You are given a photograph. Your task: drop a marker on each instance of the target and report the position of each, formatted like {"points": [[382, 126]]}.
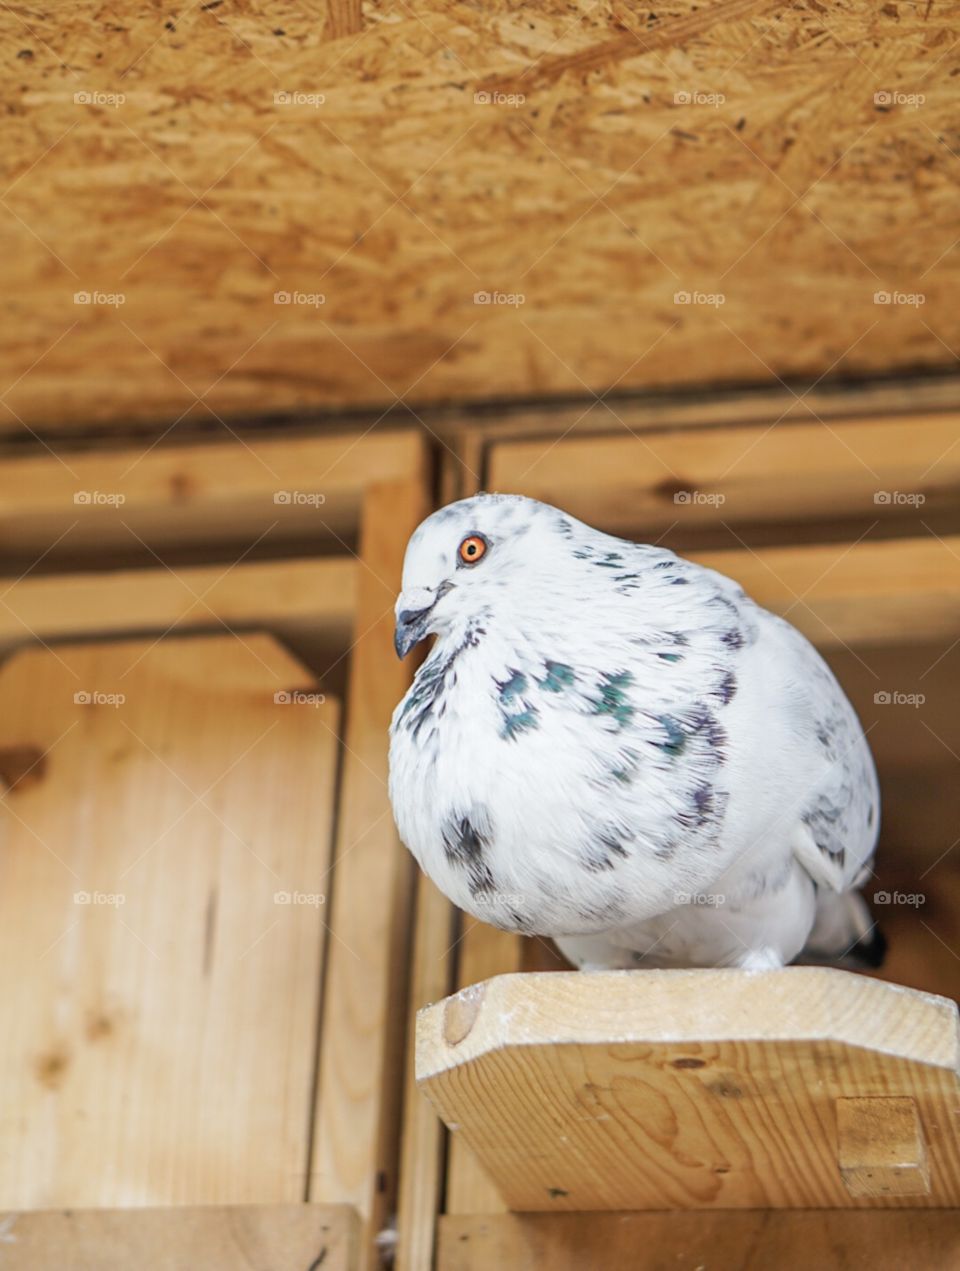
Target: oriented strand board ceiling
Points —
{"points": [[813, 164]]}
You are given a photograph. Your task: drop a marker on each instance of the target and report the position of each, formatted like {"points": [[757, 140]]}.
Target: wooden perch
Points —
{"points": [[806, 1087]]}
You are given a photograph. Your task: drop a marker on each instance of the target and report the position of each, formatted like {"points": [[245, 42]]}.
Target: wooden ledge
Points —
{"points": [[700, 1089]]}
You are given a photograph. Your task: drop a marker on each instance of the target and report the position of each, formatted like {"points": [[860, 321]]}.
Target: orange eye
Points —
{"points": [[472, 549]]}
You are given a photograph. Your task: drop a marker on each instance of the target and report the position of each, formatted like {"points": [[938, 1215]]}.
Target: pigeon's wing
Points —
{"points": [[839, 814]]}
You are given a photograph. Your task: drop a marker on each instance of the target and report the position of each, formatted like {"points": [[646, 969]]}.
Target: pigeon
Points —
{"points": [[616, 748]]}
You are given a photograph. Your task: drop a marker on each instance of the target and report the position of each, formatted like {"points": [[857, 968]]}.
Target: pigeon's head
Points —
{"points": [[461, 561]]}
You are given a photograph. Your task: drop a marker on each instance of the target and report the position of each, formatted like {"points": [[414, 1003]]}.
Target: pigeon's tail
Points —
{"points": [[844, 932]]}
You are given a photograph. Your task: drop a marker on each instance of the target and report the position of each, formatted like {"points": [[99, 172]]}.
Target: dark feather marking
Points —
{"points": [[516, 724], [559, 676], [727, 688], [604, 851], [464, 841], [613, 697]]}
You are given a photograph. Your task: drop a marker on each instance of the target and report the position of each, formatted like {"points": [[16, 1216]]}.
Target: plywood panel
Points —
{"points": [[214, 1237], [793, 161], [697, 1089], [166, 842]]}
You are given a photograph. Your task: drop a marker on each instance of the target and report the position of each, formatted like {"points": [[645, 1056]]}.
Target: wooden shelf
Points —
{"points": [[713, 1089]]}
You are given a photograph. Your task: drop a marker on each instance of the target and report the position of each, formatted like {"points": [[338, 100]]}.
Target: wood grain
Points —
{"points": [[422, 1136], [731, 1241], [232, 492], [161, 985], [484, 951], [771, 472], [355, 1144], [863, 594], [214, 1237], [391, 197], [293, 599], [687, 1089]]}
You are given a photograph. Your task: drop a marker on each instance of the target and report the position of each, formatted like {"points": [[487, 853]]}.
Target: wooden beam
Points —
{"points": [[868, 593], [228, 492], [288, 598], [214, 1237], [692, 1089], [161, 921], [362, 1038], [422, 1137], [646, 482], [883, 1240]]}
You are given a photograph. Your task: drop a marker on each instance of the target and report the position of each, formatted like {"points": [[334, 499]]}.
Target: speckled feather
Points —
{"points": [[616, 747]]}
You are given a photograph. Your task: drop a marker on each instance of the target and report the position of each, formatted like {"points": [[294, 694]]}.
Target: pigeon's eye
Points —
{"points": [[472, 549]]}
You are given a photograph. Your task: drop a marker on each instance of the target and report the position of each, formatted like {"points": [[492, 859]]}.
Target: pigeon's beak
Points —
{"points": [[413, 613], [411, 629]]}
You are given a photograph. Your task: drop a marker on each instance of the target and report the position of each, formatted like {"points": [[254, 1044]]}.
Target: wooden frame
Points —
{"points": [[185, 504]]}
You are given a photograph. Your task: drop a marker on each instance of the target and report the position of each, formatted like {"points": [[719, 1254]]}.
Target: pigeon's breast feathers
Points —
{"points": [[574, 701]]}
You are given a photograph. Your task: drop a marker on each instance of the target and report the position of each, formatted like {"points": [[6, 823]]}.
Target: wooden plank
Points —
{"points": [[619, 194], [772, 472], [484, 952], [788, 1240], [422, 1137], [362, 1039], [233, 491], [868, 593], [160, 973], [690, 408], [214, 1237], [687, 1089], [287, 597]]}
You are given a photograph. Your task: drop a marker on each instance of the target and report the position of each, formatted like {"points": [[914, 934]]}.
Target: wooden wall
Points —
{"points": [[149, 155]]}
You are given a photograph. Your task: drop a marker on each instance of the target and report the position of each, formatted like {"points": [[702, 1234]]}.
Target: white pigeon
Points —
{"points": [[617, 748]]}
